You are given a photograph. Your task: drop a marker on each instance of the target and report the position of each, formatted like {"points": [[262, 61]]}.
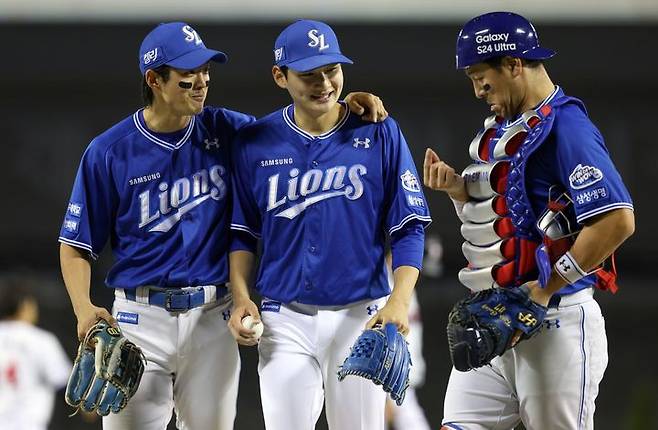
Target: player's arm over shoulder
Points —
{"points": [[235, 120]]}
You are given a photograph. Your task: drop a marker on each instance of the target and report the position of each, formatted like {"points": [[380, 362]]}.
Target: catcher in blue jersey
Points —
{"points": [[542, 206], [324, 191], [156, 185]]}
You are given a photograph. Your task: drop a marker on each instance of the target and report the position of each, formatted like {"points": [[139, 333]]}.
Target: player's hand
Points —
{"points": [[538, 295], [242, 308], [440, 176], [395, 312], [368, 106], [88, 316]]}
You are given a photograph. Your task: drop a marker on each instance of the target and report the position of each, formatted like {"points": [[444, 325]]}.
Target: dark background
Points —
{"points": [[63, 84]]}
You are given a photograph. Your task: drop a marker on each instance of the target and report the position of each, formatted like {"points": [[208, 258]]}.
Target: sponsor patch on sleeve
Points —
{"points": [[415, 201], [589, 196], [127, 317], [75, 209], [409, 182], [584, 176], [71, 225]]}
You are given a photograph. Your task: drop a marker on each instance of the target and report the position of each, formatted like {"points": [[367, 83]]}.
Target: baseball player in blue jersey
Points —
{"points": [[323, 190], [541, 205], [156, 185]]}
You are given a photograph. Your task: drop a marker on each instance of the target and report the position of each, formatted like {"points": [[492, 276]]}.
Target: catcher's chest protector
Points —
{"points": [[499, 226]]}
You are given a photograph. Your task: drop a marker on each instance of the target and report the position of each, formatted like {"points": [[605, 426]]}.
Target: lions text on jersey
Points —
{"points": [[324, 205], [161, 199]]}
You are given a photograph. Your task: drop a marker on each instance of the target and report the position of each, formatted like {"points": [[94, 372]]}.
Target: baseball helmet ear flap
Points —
{"points": [[498, 34]]}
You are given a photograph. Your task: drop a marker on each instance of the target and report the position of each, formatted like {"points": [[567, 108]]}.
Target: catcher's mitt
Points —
{"points": [[106, 372], [382, 355], [483, 325]]}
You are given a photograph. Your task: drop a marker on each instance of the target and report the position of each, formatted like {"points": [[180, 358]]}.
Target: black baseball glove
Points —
{"points": [[482, 326]]}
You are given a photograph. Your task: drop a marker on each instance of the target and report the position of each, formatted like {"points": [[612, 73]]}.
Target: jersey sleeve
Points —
{"points": [[408, 246], [406, 202], [87, 221], [245, 217], [585, 167], [237, 119]]}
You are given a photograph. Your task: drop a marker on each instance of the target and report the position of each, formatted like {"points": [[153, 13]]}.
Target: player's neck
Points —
{"points": [[317, 125], [162, 120], [538, 89]]}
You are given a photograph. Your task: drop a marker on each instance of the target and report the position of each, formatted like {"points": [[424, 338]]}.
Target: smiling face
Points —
{"points": [[316, 92], [499, 86], [184, 93]]}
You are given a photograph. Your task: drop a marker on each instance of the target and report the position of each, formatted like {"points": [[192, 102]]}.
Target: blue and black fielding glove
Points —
{"points": [[106, 372], [482, 326], [381, 355]]}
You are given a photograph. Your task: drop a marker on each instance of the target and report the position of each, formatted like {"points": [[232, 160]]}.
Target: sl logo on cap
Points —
{"points": [[191, 35], [317, 40]]}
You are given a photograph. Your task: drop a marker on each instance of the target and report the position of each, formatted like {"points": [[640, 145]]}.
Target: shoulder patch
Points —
{"points": [[71, 225], [410, 182], [75, 209], [584, 176]]}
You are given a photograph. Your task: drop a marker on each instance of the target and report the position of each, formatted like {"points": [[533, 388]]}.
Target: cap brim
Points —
{"points": [[197, 58], [538, 53], [310, 63]]}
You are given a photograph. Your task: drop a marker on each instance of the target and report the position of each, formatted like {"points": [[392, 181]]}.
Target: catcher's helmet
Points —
{"points": [[498, 34]]}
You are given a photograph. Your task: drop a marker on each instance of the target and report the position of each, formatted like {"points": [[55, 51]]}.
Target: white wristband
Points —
{"points": [[567, 267]]}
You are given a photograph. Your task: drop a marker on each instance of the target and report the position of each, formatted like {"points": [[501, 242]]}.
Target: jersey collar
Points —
{"points": [[288, 117], [138, 119], [557, 91]]}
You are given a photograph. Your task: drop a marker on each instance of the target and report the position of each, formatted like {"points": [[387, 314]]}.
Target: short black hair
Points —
{"points": [[497, 62], [284, 70], [147, 92], [13, 292]]}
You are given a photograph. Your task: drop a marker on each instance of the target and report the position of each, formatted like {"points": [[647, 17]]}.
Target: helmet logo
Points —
{"points": [[496, 42]]}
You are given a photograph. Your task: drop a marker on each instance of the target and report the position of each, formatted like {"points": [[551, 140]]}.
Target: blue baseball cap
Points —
{"points": [[498, 34], [306, 45], [178, 45]]}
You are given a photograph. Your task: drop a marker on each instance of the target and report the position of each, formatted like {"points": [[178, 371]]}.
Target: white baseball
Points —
{"points": [[248, 322]]}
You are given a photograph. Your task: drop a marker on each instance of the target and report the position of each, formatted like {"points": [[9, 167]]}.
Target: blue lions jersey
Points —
{"points": [[162, 199], [575, 158], [324, 205]]}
